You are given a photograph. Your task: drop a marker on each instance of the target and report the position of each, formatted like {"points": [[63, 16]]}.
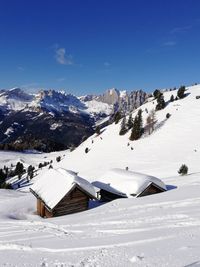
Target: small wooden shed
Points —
{"points": [[60, 192], [119, 183]]}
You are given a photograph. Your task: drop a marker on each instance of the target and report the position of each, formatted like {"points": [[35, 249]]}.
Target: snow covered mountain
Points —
{"points": [[157, 230], [14, 99], [120, 100], [48, 101], [66, 118]]}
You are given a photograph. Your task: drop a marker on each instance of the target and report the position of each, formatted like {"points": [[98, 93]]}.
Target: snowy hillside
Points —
{"points": [[157, 230], [28, 157], [98, 109], [175, 141]]}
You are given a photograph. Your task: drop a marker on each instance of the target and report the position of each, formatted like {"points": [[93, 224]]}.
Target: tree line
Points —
{"points": [[136, 124]]}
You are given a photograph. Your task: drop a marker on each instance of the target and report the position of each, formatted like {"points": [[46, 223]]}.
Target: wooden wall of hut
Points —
{"points": [[75, 201], [40, 208], [150, 190]]}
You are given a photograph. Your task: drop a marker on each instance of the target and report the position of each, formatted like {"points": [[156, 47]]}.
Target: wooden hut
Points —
{"points": [[60, 192], [118, 183]]}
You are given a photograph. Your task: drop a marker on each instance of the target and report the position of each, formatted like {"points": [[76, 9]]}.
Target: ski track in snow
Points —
{"points": [[119, 230], [26, 248], [21, 236]]}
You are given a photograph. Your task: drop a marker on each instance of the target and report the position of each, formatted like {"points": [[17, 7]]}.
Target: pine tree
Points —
{"points": [[123, 129], [137, 129], [19, 169], [58, 158], [183, 169], [98, 130], [172, 98], [30, 171], [2, 177], [130, 122], [117, 117], [157, 93], [140, 123], [6, 186], [160, 102], [181, 92], [40, 165]]}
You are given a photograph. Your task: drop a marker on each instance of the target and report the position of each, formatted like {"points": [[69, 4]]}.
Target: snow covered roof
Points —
{"points": [[126, 183], [54, 184]]}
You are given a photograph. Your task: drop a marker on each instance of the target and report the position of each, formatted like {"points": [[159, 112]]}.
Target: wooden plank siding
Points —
{"points": [[74, 201], [38, 206], [42, 209], [150, 190], [48, 214], [108, 196]]}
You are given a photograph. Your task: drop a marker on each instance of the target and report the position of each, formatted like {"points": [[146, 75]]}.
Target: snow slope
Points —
{"points": [[28, 158], [174, 142], [157, 230], [96, 107]]}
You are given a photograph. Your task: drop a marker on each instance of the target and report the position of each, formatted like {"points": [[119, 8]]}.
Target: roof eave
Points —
{"points": [[38, 197], [151, 183]]}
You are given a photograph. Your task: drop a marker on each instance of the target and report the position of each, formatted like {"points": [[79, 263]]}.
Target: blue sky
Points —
{"points": [[87, 46]]}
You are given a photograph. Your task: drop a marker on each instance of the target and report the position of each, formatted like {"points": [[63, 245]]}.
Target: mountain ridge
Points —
{"points": [[67, 119]]}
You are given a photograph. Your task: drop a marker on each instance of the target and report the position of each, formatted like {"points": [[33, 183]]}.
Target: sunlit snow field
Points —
{"points": [[157, 230]]}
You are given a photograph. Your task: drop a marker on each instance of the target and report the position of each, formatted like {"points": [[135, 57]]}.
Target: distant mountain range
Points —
{"points": [[52, 120]]}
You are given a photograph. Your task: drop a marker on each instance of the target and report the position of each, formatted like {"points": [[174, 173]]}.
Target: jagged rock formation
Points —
{"points": [[122, 100]]}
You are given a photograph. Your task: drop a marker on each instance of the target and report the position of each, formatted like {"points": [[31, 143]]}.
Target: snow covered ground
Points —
{"points": [[28, 158], [174, 142], [157, 230]]}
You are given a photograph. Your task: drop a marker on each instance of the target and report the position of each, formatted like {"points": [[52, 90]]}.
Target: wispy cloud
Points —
{"points": [[63, 58], [20, 68], [180, 29], [169, 43], [60, 79], [106, 64]]}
